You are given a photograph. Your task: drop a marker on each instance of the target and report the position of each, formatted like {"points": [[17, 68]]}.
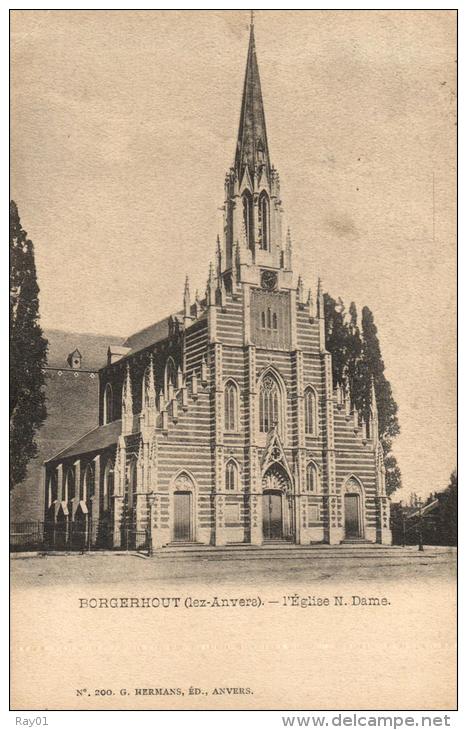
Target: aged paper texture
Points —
{"points": [[223, 513]]}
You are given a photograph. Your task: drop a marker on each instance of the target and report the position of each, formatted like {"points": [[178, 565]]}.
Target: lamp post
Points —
{"points": [[152, 504]]}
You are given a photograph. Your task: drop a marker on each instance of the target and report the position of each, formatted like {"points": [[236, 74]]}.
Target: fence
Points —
{"points": [[75, 536]]}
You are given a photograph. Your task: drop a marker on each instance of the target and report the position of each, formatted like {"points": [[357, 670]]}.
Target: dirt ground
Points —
{"points": [[257, 567]]}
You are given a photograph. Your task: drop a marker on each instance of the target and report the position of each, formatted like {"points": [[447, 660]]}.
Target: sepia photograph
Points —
{"points": [[233, 478]]}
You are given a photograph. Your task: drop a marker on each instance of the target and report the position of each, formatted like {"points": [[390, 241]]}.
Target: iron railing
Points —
{"points": [[75, 536]]}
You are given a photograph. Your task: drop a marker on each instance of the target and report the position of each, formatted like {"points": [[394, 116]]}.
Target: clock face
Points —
{"points": [[269, 280]]}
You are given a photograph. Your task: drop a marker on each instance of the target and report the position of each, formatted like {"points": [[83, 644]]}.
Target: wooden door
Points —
{"points": [[182, 516], [272, 516], [352, 520]]}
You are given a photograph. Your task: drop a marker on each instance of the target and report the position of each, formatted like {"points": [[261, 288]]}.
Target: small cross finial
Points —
{"points": [[252, 18]]}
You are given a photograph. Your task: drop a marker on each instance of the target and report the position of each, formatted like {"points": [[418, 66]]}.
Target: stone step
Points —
{"points": [[283, 550]]}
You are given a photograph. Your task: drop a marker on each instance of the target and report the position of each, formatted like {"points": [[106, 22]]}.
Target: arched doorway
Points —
{"points": [[183, 507], [276, 508], [353, 509]]}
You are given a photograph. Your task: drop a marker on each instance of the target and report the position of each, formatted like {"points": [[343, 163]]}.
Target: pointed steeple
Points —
{"points": [[320, 312], [252, 144], [186, 304], [127, 395], [300, 289], [218, 256], [186, 292], [211, 287], [288, 250], [320, 299], [127, 403], [151, 384], [198, 306], [310, 305]]}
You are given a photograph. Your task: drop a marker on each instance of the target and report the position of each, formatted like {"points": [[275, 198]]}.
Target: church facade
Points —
{"points": [[219, 424]]}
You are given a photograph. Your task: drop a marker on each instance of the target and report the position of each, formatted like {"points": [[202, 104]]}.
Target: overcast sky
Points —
{"points": [[124, 124]]}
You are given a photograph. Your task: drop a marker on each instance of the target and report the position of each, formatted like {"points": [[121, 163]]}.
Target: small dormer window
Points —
{"points": [[74, 359]]}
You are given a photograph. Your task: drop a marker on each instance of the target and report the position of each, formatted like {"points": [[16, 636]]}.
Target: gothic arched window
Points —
{"points": [[108, 485], [312, 477], [52, 489], [88, 483], [263, 213], [70, 487], [170, 374], [269, 404], [231, 406], [311, 426], [231, 476], [247, 202], [108, 403]]}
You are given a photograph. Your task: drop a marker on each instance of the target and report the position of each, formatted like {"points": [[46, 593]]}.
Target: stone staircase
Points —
{"points": [[287, 551]]}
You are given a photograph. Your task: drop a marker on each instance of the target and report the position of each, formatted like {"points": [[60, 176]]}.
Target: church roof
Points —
{"points": [[92, 347], [252, 137], [150, 335], [99, 438]]}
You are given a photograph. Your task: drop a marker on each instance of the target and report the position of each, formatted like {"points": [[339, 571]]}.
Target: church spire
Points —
{"points": [[252, 144]]}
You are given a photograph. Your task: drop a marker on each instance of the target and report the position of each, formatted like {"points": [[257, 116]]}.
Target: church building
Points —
{"points": [[219, 425]]}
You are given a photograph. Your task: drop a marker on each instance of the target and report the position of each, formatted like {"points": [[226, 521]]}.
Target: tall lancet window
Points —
{"points": [[269, 404], [170, 375], [231, 476], [310, 412], [230, 406], [70, 485], [87, 487], [108, 404], [312, 477], [263, 212], [248, 221], [108, 486]]}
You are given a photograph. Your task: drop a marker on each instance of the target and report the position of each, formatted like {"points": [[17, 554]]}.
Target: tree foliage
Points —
{"points": [[448, 512], [436, 525], [28, 352], [357, 362]]}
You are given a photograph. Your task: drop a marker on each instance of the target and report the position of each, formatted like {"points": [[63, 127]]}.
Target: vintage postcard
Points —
{"points": [[233, 342]]}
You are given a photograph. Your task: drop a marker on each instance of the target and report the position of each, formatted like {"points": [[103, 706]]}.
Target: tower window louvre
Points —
{"points": [[263, 214], [248, 218]]}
